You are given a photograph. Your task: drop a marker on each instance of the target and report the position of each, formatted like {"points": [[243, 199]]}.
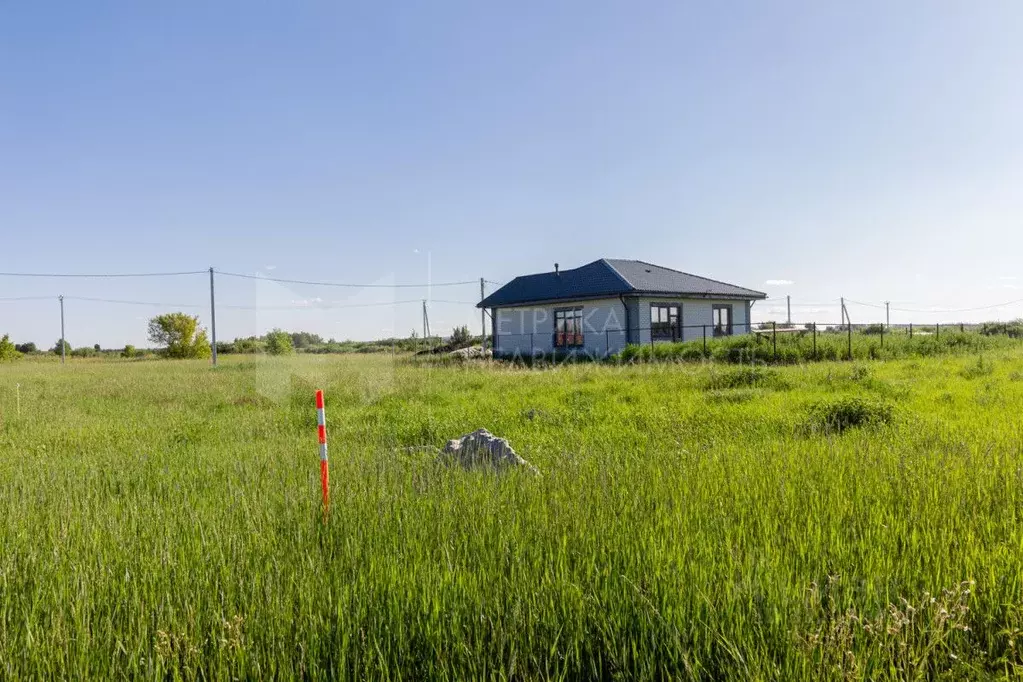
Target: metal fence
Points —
{"points": [[596, 344]]}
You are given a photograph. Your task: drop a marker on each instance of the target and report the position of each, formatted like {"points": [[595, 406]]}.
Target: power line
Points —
{"points": [[114, 300], [936, 310], [340, 284], [248, 307], [29, 298], [102, 275]]}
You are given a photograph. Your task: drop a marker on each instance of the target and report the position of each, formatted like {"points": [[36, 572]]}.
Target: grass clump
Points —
{"points": [[977, 369], [842, 414], [745, 377]]}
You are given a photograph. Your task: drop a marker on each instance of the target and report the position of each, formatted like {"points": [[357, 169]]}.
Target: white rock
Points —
{"points": [[482, 448]]}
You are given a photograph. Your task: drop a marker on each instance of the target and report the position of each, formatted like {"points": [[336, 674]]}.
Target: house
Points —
{"points": [[599, 308]]}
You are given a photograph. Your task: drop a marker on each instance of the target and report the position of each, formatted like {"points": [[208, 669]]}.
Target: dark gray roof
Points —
{"points": [[611, 277]]}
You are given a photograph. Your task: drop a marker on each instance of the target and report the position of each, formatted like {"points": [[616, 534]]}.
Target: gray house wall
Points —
{"points": [[529, 330], [526, 330]]}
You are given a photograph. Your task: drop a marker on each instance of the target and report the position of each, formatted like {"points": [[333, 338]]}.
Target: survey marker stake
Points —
{"points": [[321, 428]]}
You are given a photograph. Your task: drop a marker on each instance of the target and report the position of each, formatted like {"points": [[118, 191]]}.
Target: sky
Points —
{"points": [[869, 150]]}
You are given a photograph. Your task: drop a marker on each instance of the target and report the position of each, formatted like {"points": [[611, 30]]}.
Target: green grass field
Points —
{"points": [[161, 519]]}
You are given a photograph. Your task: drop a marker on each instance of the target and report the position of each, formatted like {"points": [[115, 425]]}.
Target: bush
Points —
{"points": [[1014, 329], [278, 342], [26, 348], [181, 335], [56, 347], [836, 416], [8, 352], [460, 335], [129, 351], [873, 330]]}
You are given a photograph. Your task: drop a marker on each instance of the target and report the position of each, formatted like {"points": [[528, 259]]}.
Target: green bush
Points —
{"points": [[278, 342], [1013, 330], [836, 416], [8, 352], [26, 348], [129, 351], [56, 347]]}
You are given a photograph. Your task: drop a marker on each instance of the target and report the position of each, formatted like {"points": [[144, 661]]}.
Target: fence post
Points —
{"points": [[962, 328], [532, 354], [937, 330], [704, 340], [849, 328], [814, 340], [774, 339], [607, 342], [882, 336], [910, 330]]}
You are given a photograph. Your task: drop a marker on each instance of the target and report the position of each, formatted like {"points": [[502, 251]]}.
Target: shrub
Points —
{"points": [[56, 347], [278, 342], [1014, 329], [26, 348], [8, 352], [460, 335], [181, 335], [129, 351], [836, 416], [873, 329]]}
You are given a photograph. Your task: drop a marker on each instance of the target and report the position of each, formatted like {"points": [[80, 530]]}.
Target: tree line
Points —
{"points": [[179, 336]]}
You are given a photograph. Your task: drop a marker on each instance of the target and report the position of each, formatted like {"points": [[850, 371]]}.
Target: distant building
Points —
{"points": [[599, 308]]}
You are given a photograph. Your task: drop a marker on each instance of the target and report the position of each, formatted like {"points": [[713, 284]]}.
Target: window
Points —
{"points": [[664, 322], [568, 327], [722, 320]]}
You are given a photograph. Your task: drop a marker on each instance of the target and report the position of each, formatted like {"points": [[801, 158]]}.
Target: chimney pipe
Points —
{"points": [[556, 272]]}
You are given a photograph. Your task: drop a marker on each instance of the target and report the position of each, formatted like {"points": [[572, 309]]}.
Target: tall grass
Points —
{"points": [[790, 347], [161, 520]]}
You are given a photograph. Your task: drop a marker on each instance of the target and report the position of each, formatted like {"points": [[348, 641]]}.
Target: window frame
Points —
{"points": [[573, 315], [718, 329], [673, 327]]}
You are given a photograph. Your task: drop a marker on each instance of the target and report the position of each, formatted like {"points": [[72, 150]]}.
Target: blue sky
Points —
{"points": [[872, 150]]}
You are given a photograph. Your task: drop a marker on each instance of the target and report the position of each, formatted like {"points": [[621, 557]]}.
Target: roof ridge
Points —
{"points": [[619, 275]]}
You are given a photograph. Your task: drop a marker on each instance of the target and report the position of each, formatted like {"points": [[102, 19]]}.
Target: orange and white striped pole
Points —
{"points": [[321, 427]]}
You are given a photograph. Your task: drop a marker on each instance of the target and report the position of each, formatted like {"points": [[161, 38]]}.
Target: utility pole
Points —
{"points": [[63, 343], [843, 309], [888, 314], [483, 320], [426, 325], [788, 305], [213, 320]]}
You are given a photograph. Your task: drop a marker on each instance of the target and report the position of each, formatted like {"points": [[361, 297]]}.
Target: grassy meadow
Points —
{"points": [[161, 520]]}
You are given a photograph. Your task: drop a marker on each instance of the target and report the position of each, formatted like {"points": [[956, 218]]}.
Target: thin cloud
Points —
{"points": [[779, 282], [269, 267], [1007, 278]]}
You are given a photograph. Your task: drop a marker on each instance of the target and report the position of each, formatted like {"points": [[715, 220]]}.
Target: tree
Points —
{"points": [[7, 350], [129, 351], [181, 335], [460, 335], [278, 342], [96, 347], [26, 347], [67, 347]]}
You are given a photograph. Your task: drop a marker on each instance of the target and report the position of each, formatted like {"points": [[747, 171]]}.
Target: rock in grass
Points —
{"points": [[483, 449]]}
